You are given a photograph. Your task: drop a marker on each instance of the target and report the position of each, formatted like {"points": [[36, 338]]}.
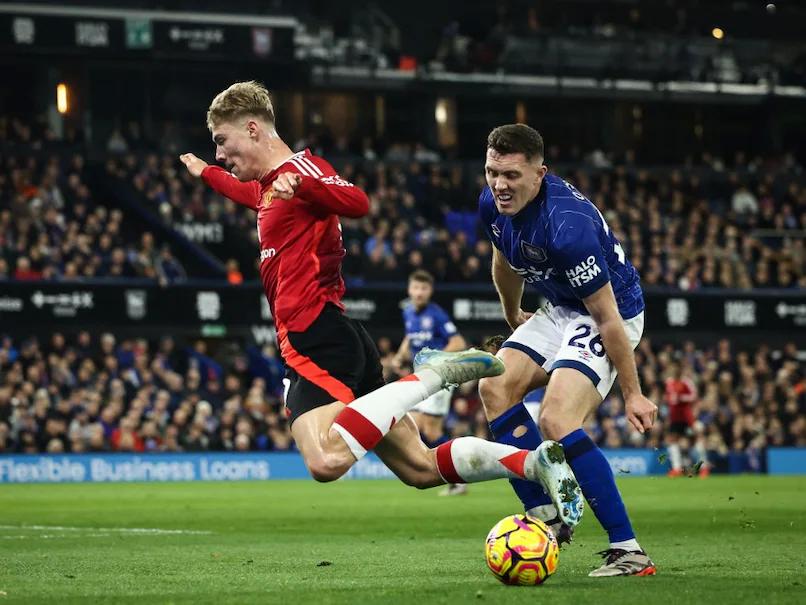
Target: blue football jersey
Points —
{"points": [[562, 246], [429, 327]]}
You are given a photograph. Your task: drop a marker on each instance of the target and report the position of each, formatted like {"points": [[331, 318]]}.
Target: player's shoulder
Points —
{"points": [[567, 209], [305, 163], [562, 195]]}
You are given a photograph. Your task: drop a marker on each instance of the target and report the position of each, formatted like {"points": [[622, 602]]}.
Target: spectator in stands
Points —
{"points": [[168, 268]]}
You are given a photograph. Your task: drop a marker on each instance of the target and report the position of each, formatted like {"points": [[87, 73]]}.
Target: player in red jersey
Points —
{"points": [[339, 406], [681, 397]]}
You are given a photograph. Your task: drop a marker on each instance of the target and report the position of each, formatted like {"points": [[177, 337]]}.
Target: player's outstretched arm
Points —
{"points": [[510, 290], [247, 194], [332, 194], [641, 412]]}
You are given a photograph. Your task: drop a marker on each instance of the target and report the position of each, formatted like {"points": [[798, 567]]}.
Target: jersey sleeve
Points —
{"points": [[333, 195], [487, 215], [326, 191], [443, 323], [577, 254], [244, 193]]}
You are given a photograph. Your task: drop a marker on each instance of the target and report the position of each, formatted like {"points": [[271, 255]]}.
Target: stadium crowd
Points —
{"points": [[684, 228], [53, 228], [103, 393], [711, 222]]}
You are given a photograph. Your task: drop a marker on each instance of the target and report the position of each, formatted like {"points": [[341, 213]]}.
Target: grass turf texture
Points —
{"points": [[724, 540]]}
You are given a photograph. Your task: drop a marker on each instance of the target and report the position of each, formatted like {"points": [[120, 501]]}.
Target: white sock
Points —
{"points": [[702, 453], [628, 545], [675, 457], [470, 459], [365, 421]]}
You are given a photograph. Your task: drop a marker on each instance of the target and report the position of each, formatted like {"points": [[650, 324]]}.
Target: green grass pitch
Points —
{"points": [[722, 540]]}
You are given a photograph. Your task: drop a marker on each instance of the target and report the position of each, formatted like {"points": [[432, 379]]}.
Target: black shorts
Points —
{"points": [[680, 428], [335, 359]]}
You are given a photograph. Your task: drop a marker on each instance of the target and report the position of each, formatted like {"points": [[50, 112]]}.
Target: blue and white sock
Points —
{"points": [[598, 484], [502, 428]]}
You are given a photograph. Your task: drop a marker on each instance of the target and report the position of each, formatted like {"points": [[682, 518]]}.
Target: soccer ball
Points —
{"points": [[522, 550]]}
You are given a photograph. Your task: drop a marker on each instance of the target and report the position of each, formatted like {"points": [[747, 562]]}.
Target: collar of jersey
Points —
{"points": [[529, 209], [269, 178]]}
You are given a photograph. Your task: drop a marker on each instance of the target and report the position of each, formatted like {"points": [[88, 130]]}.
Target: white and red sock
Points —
{"points": [[365, 421], [470, 460], [675, 457]]}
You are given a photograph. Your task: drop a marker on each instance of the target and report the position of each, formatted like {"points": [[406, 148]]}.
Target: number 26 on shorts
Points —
{"points": [[595, 344]]}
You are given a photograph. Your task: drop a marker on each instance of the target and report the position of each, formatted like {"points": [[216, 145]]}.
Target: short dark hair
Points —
{"points": [[516, 138], [423, 276]]}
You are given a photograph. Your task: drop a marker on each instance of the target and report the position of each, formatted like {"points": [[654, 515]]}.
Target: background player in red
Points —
{"points": [[681, 397], [339, 407]]}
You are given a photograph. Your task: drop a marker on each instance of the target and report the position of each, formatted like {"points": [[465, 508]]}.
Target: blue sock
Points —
{"points": [[531, 494], [598, 485]]}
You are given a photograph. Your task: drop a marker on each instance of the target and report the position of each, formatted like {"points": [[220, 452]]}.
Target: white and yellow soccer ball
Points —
{"points": [[522, 550]]}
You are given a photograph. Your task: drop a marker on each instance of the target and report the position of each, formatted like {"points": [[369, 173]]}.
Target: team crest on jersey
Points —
{"points": [[268, 198], [533, 253], [427, 323]]}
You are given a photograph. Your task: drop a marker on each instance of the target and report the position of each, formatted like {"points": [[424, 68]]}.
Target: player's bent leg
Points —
{"points": [[365, 421], [512, 424], [461, 460], [522, 375], [325, 453], [405, 454], [570, 398]]}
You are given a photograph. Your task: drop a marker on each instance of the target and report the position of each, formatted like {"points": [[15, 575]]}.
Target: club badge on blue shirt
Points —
{"points": [[533, 253]]}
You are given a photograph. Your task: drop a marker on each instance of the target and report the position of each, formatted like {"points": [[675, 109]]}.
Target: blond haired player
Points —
{"points": [[338, 406]]}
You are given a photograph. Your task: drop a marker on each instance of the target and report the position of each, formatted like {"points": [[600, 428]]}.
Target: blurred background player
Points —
{"points": [[428, 325], [681, 397], [546, 233]]}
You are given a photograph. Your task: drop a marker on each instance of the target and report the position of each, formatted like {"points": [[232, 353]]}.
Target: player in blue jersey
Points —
{"points": [[428, 325], [549, 235]]}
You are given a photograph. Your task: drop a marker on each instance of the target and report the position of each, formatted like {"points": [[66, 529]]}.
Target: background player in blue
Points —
{"points": [[428, 325], [546, 233]]}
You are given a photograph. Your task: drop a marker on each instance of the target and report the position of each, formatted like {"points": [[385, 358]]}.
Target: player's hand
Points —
{"points": [[641, 412], [519, 318], [194, 165], [285, 185]]}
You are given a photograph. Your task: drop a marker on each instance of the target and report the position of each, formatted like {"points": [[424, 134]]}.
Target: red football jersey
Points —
{"points": [[300, 239], [681, 394]]}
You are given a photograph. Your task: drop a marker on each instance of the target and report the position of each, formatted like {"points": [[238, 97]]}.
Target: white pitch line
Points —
{"points": [[121, 530]]}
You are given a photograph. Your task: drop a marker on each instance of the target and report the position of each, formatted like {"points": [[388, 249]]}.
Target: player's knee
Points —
{"points": [[552, 423], [494, 395], [327, 467]]}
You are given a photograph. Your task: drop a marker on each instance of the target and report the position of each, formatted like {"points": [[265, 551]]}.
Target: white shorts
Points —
{"points": [[439, 404], [558, 337]]}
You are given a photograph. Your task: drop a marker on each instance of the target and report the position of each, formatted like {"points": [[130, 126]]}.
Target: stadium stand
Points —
{"points": [[52, 227], [710, 223], [104, 393]]}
